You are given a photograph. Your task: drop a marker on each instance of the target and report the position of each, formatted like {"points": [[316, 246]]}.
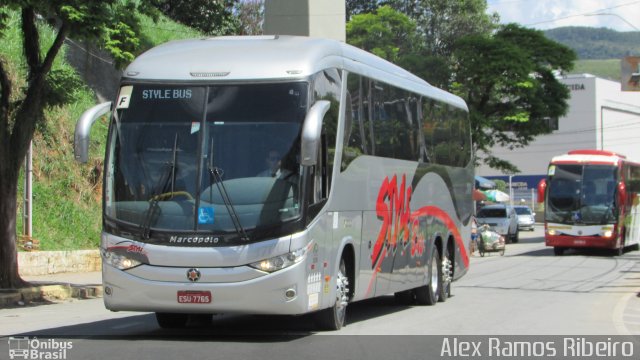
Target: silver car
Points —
{"points": [[526, 217], [502, 219]]}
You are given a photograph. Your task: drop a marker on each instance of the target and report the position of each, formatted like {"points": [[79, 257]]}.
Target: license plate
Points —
{"points": [[194, 297]]}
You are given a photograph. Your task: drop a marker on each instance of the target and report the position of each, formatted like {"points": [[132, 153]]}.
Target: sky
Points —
{"points": [[620, 15]]}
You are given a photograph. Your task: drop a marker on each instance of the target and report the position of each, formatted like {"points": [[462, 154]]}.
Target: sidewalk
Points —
{"points": [[53, 288]]}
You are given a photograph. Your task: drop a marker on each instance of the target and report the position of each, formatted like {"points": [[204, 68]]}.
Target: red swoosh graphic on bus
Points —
{"points": [[449, 223], [398, 223]]}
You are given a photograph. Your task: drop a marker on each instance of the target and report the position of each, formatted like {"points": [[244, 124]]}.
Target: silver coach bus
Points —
{"points": [[279, 175]]}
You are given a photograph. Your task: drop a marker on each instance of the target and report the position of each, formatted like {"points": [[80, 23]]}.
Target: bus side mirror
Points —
{"points": [[83, 129], [622, 193], [311, 131], [542, 187]]}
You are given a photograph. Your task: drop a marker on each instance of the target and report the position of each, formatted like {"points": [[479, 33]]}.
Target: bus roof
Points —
{"points": [[601, 157], [275, 57]]}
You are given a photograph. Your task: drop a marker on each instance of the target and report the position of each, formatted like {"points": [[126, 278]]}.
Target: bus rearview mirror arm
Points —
{"points": [[83, 129], [311, 131]]}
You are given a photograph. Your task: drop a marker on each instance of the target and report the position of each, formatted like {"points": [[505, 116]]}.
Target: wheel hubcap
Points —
{"points": [[434, 276], [342, 290], [447, 271]]}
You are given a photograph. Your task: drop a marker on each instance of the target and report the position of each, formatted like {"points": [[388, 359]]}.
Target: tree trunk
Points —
{"points": [[9, 276]]}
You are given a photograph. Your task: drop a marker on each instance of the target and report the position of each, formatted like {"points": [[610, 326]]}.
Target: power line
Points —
{"points": [[582, 14]]}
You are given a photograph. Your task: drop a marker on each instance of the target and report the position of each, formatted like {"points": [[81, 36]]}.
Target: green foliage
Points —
{"points": [[356, 7], [250, 14], [160, 30], [212, 17], [508, 82], [501, 185], [386, 33], [67, 196], [442, 23]]}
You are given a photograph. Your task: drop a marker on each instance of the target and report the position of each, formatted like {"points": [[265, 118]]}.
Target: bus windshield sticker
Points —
{"points": [[205, 215], [195, 127], [552, 170], [124, 97]]}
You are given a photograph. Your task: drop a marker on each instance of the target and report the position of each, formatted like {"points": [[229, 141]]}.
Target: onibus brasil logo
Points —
{"points": [[23, 347]]}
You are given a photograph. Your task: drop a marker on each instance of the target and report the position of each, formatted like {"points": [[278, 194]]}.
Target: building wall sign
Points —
{"points": [[575, 87]]}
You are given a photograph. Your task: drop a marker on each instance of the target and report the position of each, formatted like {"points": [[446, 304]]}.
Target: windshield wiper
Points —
{"points": [[216, 176], [159, 192]]}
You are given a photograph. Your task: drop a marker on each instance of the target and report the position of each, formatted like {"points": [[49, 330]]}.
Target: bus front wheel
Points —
{"points": [[558, 251], [333, 318]]}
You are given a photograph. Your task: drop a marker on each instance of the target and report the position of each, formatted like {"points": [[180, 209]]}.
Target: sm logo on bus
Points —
{"points": [[398, 224]]}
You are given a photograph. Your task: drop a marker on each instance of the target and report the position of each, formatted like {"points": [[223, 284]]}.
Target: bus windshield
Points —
{"points": [[581, 194], [191, 158]]}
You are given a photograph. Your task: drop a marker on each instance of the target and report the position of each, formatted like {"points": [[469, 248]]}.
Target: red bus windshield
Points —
{"points": [[581, 194]]}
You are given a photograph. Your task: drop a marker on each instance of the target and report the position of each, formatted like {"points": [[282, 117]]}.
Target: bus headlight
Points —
{"points": [[551, 232], [119, 261], [608, 233], [281, 261]]}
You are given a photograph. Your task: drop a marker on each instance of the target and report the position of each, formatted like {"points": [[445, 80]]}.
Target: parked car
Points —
{"points": [[501, 218], [526, 217]]}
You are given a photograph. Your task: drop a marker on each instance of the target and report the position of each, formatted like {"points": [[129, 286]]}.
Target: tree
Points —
{"points": [[356, 7], [441, 23], [213, 17], [109, 22], [250, 14], [508, 81], [385, 33]]}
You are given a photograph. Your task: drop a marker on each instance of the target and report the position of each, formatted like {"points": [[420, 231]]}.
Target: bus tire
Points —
{"points": [[333, 318], [171, 320], [516, 237], [446, 274], [428, 294], [558, 251], [619, 251]]}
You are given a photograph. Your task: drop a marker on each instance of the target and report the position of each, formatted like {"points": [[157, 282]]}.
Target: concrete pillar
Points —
{"points": [[314, 18]]}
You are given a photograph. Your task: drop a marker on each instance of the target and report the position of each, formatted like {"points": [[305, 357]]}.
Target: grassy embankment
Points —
{"points": [[67, 195]]}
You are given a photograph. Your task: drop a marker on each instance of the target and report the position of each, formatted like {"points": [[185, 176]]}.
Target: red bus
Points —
{"points": [[591, 200]]}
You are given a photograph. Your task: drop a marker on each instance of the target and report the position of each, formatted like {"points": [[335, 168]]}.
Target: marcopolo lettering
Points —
{"points": [[194, 240]]}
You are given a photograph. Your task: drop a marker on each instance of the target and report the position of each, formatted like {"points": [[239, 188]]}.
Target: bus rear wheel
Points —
{"points": [[446, 275], [333, 318], [428, 294]]}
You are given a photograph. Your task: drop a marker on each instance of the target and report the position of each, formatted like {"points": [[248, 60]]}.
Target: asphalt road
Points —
{"points": [[528, 292]]}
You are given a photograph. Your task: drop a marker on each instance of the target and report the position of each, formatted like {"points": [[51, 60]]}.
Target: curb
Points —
{"points": [[47, 293]]}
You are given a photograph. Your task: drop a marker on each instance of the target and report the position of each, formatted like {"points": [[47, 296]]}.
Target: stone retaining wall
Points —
{"points": [[53, 262]]}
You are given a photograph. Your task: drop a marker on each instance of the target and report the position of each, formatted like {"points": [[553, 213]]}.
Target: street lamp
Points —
{"points": [[616, 15]]}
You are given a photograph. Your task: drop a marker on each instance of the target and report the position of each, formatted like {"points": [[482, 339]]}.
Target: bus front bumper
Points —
{"points": [[270, 293], [567, 241]]}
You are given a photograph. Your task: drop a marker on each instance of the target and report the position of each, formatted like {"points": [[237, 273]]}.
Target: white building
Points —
{"points": [[600, 116]]}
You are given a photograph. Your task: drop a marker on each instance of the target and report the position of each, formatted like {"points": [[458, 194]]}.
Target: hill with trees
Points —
{"points": [[597, 43], [599, 50]]}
